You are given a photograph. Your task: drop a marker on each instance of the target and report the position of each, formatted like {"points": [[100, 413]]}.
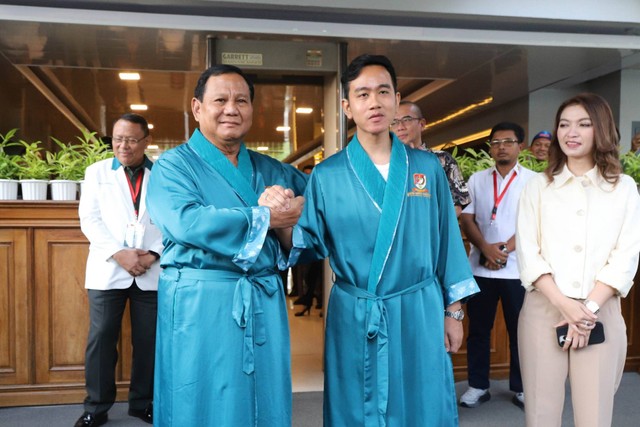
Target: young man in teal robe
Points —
{"points": [[222, 353], [383, 214]]}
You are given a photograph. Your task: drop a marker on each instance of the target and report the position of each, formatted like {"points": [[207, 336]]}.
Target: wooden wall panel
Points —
{"points": [[14, 320], [62, 314]]}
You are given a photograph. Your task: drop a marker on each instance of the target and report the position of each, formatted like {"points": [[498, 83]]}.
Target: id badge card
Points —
{"points": [[134, 235]]}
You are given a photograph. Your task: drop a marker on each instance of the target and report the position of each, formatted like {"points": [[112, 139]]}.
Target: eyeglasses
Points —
{"points": [[506, 142], [405, 121], [121, 139]]}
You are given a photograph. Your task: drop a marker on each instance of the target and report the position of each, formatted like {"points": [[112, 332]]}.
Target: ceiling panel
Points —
{"points": [[79, 64]]}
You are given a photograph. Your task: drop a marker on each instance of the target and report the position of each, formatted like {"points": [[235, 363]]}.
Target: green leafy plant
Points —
{"points": [[9, 163], [33, 165], [529, 161], [93, 149], [472, 161], [631, 165], [68, 162]]}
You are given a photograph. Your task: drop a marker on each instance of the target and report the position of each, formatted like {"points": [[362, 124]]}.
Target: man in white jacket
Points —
{"points": [[122, 266]]}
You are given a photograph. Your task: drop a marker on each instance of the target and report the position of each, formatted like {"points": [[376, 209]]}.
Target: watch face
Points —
{"points": [[457, 315], [592, 306]]}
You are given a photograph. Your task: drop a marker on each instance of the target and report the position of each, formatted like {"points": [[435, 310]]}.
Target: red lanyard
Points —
{"points": [[497, 199], [135, 193]]}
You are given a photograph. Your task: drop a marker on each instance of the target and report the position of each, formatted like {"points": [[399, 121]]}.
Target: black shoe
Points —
{"points": [[91, 420], [145, 414], [307, 310]]}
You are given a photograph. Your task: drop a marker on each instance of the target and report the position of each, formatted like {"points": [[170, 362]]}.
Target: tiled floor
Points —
{"points": [[307, 335]]}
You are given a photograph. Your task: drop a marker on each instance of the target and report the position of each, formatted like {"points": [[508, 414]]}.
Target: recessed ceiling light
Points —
{"points": [[129, 76], [304, 110], [283, 128], [150, 126], [262, 148], [139, 107]]}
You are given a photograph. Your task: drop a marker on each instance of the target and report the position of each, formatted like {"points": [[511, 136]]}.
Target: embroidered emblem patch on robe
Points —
{"points": [[419, 186]]}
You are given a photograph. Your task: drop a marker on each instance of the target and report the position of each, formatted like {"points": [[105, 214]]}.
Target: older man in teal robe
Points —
{"points": [[222, 352], [383, 213]]}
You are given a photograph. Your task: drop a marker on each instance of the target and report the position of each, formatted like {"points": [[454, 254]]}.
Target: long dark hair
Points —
{"points": [[605, 138]]}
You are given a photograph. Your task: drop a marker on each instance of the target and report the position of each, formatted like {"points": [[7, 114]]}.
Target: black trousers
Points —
{"points": [[105, 312], [481, 309]]}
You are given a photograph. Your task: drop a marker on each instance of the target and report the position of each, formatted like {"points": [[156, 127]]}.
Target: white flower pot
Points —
{"points": [[8, 189], [34, 189], [62, 189]]}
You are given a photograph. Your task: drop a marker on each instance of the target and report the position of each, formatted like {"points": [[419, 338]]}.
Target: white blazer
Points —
{"points": [[105, 210]]}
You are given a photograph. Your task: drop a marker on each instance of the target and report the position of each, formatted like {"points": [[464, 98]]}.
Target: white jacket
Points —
{"points": [[105, 210]]}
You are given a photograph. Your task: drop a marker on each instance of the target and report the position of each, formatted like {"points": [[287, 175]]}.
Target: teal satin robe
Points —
{"points": [[222, 348], [398, 259]]}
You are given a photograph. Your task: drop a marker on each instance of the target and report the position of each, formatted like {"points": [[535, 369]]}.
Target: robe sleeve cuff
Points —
{"points": [[461, 291], [247, 256], [297, 240]]}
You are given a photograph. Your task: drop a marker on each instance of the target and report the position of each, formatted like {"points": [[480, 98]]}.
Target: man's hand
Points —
{"points": [[276, 198], [289, 217], [146, 258], [453, 330], [453, 333], [135, 261], [496, 258]]}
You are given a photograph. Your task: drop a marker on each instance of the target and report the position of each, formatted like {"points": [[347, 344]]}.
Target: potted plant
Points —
{"points": [[92, 149], [67, 167], [34, 172], [9, 168]]}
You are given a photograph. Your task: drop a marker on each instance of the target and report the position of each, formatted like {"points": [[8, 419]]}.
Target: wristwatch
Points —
{"points": [[457, 315], [592, 306]]}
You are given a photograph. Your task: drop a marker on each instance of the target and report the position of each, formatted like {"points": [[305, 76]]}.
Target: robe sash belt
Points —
{"points": [[247, 302], [377, 341]]}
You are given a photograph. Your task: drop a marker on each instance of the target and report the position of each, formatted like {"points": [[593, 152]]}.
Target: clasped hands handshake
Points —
{"points": [[284, 206], [135, 261]]}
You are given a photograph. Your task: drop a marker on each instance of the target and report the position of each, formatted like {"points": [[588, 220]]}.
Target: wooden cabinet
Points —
{"points": [[14, 314], [44, 314]]}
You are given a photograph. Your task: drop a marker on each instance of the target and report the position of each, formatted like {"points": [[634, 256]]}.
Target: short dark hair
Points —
{"points": [[355, 68], [414, 106], [137, 119], [516, 128], [218, 70]]}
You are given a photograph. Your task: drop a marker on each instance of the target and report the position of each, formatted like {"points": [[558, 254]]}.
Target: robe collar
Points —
{"points": [[239, 178], [388, 197]]}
